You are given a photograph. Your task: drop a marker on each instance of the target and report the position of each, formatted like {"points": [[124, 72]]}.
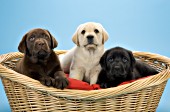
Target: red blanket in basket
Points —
{"points": [[80, 85]]}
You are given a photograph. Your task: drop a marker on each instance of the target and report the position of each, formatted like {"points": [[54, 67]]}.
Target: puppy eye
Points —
{"points": [[83, 32], [96, 31], [44, 36], [32, 38], [110, 59], [124, 59]]}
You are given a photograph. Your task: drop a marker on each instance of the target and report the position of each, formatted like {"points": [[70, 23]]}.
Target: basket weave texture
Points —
{"points": [[26, 94]]}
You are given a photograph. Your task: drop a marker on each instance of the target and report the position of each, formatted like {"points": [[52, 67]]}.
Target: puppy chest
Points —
{"points": [[90, 62], [91, 74]]}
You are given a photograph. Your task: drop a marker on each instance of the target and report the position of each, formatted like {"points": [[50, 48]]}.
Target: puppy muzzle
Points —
{"points": [[90, 39], [90, 43], [118, 71], [42, 54], [41, 49]]}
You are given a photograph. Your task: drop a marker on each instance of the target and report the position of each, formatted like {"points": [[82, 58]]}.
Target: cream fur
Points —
{"points": [[82, 61]]}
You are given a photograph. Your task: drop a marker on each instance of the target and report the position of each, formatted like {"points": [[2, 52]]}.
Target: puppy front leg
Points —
{"points": [[102, 80], [77, 73], [94, 74], [46, 80], [61, 81], [93, 79]]}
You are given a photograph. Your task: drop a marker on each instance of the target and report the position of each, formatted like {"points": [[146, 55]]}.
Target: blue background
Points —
{"points": [[139, 25]]}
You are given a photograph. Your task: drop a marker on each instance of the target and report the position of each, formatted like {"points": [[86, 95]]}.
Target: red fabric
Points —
{"points": [[80, 85], [127, 82]]}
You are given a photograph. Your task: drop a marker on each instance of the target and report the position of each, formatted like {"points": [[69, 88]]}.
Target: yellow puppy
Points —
{"points": [[82, 62]]}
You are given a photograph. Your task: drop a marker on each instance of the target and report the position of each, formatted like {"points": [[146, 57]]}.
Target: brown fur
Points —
{"points": [[39, 61]]}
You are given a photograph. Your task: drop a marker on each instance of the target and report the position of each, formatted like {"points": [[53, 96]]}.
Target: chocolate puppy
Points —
{"points": [[119, 65], [40, 61]]}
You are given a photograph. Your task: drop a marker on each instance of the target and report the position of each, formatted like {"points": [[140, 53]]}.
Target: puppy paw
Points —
{"points": [[47, 81], [61, 82], [104, 85]]}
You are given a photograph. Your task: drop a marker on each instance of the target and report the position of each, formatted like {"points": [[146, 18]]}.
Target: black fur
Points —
{"points": [[119, 65]]}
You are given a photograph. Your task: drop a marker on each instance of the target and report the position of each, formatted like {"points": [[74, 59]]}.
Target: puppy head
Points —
{"points": [[117, 62], [90, 35], [37, 43]]}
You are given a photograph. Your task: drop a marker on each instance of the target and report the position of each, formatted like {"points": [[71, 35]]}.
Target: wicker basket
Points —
{"points": [[26, 94]]}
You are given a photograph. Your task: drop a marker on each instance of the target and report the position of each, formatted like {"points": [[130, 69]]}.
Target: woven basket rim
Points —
{"points": [[83, 94]]}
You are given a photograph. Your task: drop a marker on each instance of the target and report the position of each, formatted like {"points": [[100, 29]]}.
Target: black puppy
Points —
{"points": [[119, 65]]}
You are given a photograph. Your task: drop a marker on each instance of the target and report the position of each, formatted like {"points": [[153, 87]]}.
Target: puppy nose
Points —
{"points": [[40, 43], [90, 36], [117, 67], [90, 39]]}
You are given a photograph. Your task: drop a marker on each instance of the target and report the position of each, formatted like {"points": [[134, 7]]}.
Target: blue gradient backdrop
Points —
{"points": [[139, 25]]}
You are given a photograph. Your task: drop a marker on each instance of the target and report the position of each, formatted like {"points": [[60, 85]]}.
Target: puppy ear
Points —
{"points": [[103, 61], [75, 39], [75, 36], [105, 36], [22, 45], [133, 61], [54, 42]]}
